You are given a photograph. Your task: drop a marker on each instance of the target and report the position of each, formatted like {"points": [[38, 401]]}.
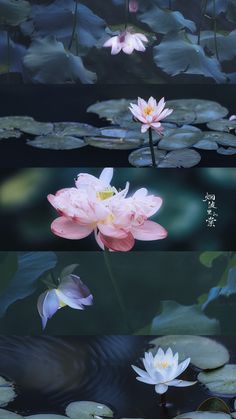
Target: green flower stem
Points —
{"points": [[74, 25], [163, 400], [152, 148], [117, 291], [203, 11], [215, 30]]}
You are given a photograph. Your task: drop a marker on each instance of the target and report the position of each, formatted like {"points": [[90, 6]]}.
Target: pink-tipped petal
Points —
{"points": [[118, 245], [144, 128], [68, 229], [149, 230], [111, 230]]}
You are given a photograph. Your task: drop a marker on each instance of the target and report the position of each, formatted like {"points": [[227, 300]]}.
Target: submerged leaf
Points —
{"points": [[179, 53], [47, 61], [207, 258], [176, 318], [205, 353], [14, 12]]}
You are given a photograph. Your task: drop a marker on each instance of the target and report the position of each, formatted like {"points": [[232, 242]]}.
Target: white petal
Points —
{"points": [[147, 380], [181, 383], [182, 366], [106, 176]]}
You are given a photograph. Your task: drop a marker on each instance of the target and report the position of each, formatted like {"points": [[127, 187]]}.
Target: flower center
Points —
{"points": [[148, 110], [161, 364], [107, 193]]}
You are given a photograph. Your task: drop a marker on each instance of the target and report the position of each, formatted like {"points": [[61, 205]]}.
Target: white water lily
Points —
{"points": [[162, 370]]}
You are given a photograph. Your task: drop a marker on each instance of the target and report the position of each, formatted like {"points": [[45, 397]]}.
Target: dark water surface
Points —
{"points": [[51, 372]]}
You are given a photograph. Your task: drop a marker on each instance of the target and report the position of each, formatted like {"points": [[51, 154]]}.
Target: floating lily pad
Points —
{"points": [[222, 138], [14, 12], [203, 415], [114, 143], [222, 125], [4, 134], [205, 353], [178, 139], [6, 414], [57, 142], [110, 108], [206, 145], [227, 151], [26, 124], [75, 129], [213, 404], [143, 158], [201, 111], [7, 393], [87, 410], [221, 382], [180, 158], [46, 416]]}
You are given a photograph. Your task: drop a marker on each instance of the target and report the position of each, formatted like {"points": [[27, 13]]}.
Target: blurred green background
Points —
{"points": [[26, 214], [145, 279]]}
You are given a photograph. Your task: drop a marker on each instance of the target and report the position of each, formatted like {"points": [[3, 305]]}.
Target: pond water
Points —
{"points": [[51, 372]]}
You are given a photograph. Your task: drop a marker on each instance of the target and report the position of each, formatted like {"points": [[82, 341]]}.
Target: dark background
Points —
{"points": [[69, 103]]}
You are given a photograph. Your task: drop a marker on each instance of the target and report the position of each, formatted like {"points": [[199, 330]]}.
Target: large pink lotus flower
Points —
{"points": [[150, 113], [95, 206], [127, 42], [133, 6], [71, 292]]}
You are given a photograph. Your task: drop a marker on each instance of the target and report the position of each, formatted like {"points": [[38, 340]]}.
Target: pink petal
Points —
{"points": [[144, 128], [118, 245], [160, 105], [112, 231], [149, 230], [68, 229]]}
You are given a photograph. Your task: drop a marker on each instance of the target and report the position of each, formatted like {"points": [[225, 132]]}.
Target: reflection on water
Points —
{"points": [[50, 372]]}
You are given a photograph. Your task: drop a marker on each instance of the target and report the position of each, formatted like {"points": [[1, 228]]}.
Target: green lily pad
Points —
{"points": [[213, 404], [206, 145], [221, 382], [205, 353], [5, 134], [178, 139], [6, 414], [203, 415], [7, 392], [227, 151], [222, 125], [46, 416], [75, 129], [222, 138], [202, 110], [87, 410], [180, 158], [57, 142], [26, 124], [14, 12], [143, 158], [110, 108]]}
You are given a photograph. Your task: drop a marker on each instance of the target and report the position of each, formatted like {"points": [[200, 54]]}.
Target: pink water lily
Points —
{"points": [[95, 206], [232, 118], [127, 42], [71, 292], [150, 113]]}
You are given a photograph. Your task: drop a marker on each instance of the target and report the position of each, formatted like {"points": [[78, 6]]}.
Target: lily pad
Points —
{"points": [[222, 138], [178, 139], [57, 142], [87, 410], [7, 392], [222, 125], [206, 145], [221, 382], [114, 143], [205, 353], [6, 414], [4, 134], [164, 20], [110, 108], [143, 158], [26, 124], [180, 158], [203, 110], [227, 151], [14, 12], [203, 415], [75, 129]]}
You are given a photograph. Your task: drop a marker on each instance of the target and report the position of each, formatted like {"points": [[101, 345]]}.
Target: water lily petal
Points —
{"points": [[118, 245], [149, 231], [68, 229], [161, 388], [106, 175], [181, 383], [48, 303]]}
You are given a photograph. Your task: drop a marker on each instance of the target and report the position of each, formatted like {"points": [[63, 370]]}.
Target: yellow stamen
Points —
{"points": [[162, 364], [105, 194], [148, 110]]}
